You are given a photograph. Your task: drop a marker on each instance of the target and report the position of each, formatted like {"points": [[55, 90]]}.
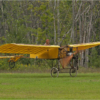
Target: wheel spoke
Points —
{"points": [[54, 72], [73, 72]]}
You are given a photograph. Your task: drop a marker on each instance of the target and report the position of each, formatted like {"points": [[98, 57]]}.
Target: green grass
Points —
{"points": [[43, 86]]}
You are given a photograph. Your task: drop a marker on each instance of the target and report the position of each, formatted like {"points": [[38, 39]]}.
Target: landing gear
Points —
{"points": [[73, 67]]}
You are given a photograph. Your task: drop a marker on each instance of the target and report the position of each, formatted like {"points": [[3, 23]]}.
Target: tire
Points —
{"points": [[73, 72], [11, 64], [54, 72]]}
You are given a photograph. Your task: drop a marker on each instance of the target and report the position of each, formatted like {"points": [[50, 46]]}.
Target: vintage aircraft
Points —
{"points": [[64, 54]]}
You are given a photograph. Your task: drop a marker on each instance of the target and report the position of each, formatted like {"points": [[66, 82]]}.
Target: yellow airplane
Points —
{"points": [[63, 54]]}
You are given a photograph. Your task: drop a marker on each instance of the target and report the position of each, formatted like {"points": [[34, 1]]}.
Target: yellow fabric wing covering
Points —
{"points": [[84, 46], [35, 51], [41, 51]]}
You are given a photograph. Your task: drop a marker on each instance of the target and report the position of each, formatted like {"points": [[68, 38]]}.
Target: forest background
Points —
{"points": [[63, 22]]}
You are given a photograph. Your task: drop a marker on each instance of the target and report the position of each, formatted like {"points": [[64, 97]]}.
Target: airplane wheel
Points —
{"points": [[73, 72], [11, 64], [54, 72]]}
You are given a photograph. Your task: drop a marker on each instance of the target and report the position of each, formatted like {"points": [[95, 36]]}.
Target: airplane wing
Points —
{"points": [[35, 51], [84, 46], [42, 51]]}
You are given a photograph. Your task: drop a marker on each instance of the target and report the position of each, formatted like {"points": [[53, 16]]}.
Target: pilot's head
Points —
{"points": [[47, 41]]}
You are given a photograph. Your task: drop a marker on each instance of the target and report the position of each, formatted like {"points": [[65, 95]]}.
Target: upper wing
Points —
{"points": [[35, 51], [84, 46]]}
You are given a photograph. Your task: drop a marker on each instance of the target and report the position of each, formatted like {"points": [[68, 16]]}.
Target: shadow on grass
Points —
{"points": [[21, 76], [43, 75]]}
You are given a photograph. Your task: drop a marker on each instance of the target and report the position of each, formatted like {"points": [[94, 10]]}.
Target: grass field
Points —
{"points": [[43, 86]]}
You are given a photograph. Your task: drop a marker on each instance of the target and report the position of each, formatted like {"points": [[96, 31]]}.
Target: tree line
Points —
{"points": [[62, 21]]}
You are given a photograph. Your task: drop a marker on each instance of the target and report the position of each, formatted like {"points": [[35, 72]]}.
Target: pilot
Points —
{"points": [[47, 42]]}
